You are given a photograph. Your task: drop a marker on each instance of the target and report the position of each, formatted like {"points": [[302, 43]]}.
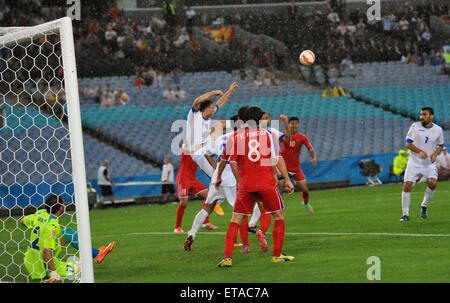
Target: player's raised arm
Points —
{"points": [[287, 128], [225, 96], [204, 97]]}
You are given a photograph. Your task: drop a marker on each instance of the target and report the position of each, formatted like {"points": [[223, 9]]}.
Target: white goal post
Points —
{"points": [[21, 84]]}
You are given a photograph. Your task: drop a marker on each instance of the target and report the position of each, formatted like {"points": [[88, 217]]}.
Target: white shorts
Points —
{"points": [[224, 192], [203, 163], [413, 172]]}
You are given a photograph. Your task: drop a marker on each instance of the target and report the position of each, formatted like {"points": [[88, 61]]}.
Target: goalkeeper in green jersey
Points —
{"points": [[46, 240]]}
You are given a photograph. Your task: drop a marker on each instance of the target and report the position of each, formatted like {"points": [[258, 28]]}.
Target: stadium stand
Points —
{"points": [[325, 120], [384, 96], [404, 89]]}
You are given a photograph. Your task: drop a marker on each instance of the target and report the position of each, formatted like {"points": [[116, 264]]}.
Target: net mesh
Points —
{"points": [[35, 158]]}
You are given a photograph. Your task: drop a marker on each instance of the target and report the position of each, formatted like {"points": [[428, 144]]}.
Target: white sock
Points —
{"points": [[428, 196], [406, 200], [255, 217], [198, 221]]}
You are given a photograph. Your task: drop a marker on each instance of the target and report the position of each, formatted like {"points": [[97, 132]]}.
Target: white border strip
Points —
{"points": [[289, 233]]}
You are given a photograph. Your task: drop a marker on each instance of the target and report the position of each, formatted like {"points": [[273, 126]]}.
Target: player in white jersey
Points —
{"points": [[198, 126], [216, 196], [425, 140]]}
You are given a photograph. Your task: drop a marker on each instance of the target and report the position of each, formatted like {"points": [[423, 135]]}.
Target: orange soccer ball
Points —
{"points": [[307, 57]]}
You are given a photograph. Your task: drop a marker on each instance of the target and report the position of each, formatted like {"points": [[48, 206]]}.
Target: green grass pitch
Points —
{"points": [[349, 225]]}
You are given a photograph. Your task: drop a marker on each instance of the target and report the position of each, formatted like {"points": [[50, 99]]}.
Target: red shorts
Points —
{"points": [[300, 176], [193, 186], [271, 199]]}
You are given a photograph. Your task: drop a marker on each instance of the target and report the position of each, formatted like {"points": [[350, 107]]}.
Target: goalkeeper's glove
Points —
{"points": [[53, 277]]}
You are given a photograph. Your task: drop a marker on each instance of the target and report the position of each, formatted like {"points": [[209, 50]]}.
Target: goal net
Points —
{"points": [[41, 150]]}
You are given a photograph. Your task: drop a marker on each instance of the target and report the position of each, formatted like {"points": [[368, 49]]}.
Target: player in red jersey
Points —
{"points": [[291, 155], [253, 153], [258, 211], [187, 182]]}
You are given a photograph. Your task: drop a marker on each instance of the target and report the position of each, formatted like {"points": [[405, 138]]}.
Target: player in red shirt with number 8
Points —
{"points": [[253, 153]]}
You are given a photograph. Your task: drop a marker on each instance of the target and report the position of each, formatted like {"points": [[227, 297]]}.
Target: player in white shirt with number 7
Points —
{"points": [[425, 140]]}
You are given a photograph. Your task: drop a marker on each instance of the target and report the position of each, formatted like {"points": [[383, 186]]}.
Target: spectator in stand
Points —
{"points": [[148, 76], [426, 35], [106, 99], [361, 25], [330, 67], [121, 98], [267, 78], [159, 79], [88, 92], [347, 66], [413, 59], [190, 16], [99, 94], [205, 18], [351, 28], [275, 80], [169, 14], [115, 11], [424, 60], [110, 34], [180, 94], [403, 24], [169, 94], [181, 39], [333, 17], [92, 40], [292, 10], [257, 82], [139, 80], [333, 90], [342, 28], [160, 23]]}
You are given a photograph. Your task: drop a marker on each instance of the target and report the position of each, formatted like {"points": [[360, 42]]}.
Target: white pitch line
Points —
{"points": [[293, 233]]}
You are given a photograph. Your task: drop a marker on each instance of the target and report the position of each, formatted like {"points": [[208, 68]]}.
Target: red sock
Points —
{"points": [[243, 231], [230, 239], [180, 213], [305, 196], [207, 218], [278, 237], [265, 221]]}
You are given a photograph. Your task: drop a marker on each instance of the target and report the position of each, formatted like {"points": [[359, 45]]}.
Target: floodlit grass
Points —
{"points": [[331, 245]]}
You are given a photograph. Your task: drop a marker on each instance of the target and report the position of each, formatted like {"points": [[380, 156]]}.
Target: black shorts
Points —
{"points": [[166, 188], [106, 190]]}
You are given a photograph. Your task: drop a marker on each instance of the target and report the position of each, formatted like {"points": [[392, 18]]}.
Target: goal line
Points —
{"points": [[215, 233]]}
